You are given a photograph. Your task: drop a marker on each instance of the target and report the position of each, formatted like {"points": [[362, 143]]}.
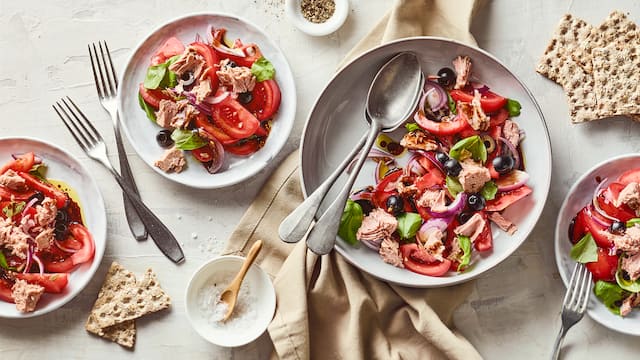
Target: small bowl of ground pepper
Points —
{"points": [[317, 17]]}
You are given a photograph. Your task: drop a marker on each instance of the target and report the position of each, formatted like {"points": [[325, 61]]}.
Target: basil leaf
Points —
{"points": [[39, 171], [631, 286], [3, 261], [585, 250], [513, 106], [412, 127], [632, 222], [350, 222], [473, 146], [609, 294], [408, 224], [453, 185], [489, 190], [187, 139], [159, 76], [13, 208], [465, 246], [452, 104], [263, 69], [147, 108]]}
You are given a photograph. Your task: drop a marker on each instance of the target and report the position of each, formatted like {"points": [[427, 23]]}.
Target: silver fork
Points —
{"points": [[574, 304], [106, 81], [93, 145]]}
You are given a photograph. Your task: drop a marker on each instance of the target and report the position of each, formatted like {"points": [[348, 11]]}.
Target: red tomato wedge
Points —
{"points": [[505, 199], [6, 294], [498, 118], [52, 283], [484, 242], [47, 189], [606, 266], [241, 54], [212, 131], [416, 260], [152, 96], [432, 177], [23, 162], [629, 176], [383, 190], [211, 60], [243, 147], [234, 119], [458, 124], [80, 233], [265, 100], [606, 200], [489, 101], [172, 47]]}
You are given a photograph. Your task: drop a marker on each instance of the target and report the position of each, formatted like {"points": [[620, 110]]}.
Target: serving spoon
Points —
{"points": [[230, 295], [392, 97]]}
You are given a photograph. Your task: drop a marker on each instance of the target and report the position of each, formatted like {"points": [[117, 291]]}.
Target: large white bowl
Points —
{"points": [[336, 122], [141, 132], [581, 194], [64, 167]]}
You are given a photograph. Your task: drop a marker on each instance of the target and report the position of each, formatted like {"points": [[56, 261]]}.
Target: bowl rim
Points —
{"points": [[190, 292], [293, 99], [547, 185], [100, 250]]}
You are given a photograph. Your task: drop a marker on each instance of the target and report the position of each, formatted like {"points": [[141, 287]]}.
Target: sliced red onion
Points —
{"points": [[64, 248], [216, 99], [514, 152], [200, 106], [482, 88], [29, 258], [432, 157], [36, 258], [431, 225], [29, 205], [216, 44], [434, 95], [598, 219], [455, 207], [596, 205], [218, 156], [414, 167], [512, 181], [372, 244]]}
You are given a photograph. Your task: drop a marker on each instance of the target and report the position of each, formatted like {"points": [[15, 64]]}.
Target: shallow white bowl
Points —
{"points": [[141, 132], [64, 167], [262, 287], [580, 195], [294, 13]]}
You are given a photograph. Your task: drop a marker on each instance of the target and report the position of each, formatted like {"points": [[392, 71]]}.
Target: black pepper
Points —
{"points": [[318, 11]]}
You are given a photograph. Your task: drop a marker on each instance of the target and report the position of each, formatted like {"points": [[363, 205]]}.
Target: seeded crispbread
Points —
{"points": [[616, 69], [615, 28], [579, 86]]}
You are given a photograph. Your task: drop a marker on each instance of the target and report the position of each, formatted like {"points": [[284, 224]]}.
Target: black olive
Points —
{"points": [[442, 157], [452, 167], [38, 195], [625, 275], [572, 226], [395, 204], [366, 205], [232, 64], [62, 217], [503, 164], [463, 217], [187, 78], [476, 202], [60, 231], [446, 77], [164, 138], [245, 97], [617, 227]]}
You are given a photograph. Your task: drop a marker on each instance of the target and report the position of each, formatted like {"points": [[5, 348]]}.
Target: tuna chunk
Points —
{"points": [[26, 296], [171, 161], [474, 113], [436, 200], [44, 239], [628, 242], [202, 90], [631, 264], [462, 66], [456, 252], [418, 140], [46, 212], [390, 252], [629, 196], [238, 78], [473, 176], [404, 189], [472, 228], [377, 226], [12, 180], [189, 62], [13, 238], [504, 224], [175, 114], [511, 132], [629, 303], [434, 244]]}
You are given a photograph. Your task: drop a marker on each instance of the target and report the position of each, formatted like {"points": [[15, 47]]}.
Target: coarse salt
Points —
{"points": [[245, 312]]}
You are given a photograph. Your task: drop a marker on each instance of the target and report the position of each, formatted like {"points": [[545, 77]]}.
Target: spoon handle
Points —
{"points": [[293, 228], [251, 257], [323, 234]]}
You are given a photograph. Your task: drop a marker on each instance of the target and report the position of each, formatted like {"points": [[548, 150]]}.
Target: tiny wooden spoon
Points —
{"points": [[230, 294]]}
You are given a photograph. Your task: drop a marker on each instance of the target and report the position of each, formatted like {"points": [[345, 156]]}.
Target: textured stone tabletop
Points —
{"points": [[513, 311]]}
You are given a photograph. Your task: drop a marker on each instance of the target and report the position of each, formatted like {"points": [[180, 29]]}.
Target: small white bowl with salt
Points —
{"points": [[254, 309]]}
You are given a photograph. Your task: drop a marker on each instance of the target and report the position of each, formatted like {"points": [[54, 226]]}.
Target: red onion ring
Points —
{"points": [[512, 181], [430, 90], [597, 219], [414, 167], [218, 156], [29, 258], [192, 100], [433, 224], [64, 248], [596, 205], [514, 152], [455, 207], [36, 258], [216, 99], [36, 158], [28, 206], [432, 157]]}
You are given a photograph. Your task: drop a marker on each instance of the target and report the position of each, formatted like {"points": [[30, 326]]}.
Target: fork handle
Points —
{"points": [[559, 339], [133, 218], [160, 234]]}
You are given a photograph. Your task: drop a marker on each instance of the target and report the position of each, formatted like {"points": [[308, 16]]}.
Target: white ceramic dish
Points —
{"points": [[141, 132], [256, 279], [294, 13], [578, 196], [337, 120], [64, 167]]}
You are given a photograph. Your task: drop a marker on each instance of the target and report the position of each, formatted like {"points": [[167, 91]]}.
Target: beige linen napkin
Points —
{"points": [[327, 308]]}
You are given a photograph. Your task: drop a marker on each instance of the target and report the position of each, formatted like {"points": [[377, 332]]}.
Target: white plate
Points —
{"points": [[581, 194], [141, 132], [64, 167], [337, 121]]}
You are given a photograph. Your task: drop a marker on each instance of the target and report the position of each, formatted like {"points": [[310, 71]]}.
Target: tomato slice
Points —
{"points": [[484, 241], [234, 119], [606, 199], [172, 47], [52, 283], [414, 261], [211, 60], [47, 189], [57, 266], [498, 118], [606, 266], [489, 101], [599, 232], [629, 176], [505, 199], [265, 100], [383, 189], [152, 96], [203, 154], [6, 294], [244, 147], [212, 131], [23, 162], [431, 178], [454, 126], [80, 233]]}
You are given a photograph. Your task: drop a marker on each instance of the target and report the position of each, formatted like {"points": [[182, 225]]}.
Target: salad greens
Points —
{"points": [[408, 225], [585, 250], [187, 139], [631, 286], [471, 147], [489, 190], [513, 106], [263, 69], [13, 208], [411, 127], [465, 245], [610, 294], [160, 75], [453, 185], [147, 109], [452, 104], [350, 222]]}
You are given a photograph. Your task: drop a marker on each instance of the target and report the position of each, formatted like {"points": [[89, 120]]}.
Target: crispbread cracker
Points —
{"points": [[616, 69], [123, 334], [133, 302], [579, 88], [615, 28]]}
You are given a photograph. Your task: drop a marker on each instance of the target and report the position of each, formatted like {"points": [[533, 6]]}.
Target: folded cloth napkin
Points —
{"points": [[328, 309]]}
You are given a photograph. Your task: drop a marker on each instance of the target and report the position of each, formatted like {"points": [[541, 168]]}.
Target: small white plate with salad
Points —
{"points": [[452, 193], [207, 100], [597, 226]]}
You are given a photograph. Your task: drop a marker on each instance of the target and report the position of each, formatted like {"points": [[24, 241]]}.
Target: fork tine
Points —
{"points": [[570, 287], [99, 66], [113, 70], [585, 290], [66, 119], [93, 133], [98, 84], [105, 66]]}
